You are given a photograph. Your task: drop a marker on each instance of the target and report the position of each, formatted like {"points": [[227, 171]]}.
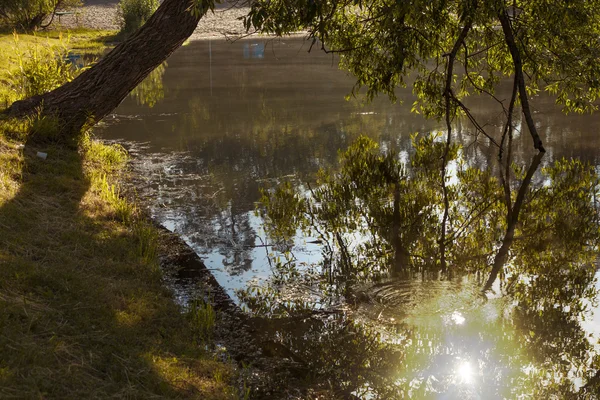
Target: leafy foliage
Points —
{"points": [[29, 15], [556, 247], [382, 43], [133, 14]]}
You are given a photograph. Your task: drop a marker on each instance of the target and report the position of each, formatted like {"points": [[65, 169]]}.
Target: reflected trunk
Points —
{"points": [[512, 218], [401, 255]]}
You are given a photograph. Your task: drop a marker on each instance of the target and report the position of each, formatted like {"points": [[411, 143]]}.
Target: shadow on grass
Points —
{"points": [[82, 313]]}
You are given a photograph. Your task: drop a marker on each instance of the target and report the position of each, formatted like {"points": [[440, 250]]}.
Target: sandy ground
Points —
{"points": [[102, 14]]}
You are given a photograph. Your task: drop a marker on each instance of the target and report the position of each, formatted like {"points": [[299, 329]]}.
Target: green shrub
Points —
{"points": [[40, 70], [134, 13], [28, 15]]}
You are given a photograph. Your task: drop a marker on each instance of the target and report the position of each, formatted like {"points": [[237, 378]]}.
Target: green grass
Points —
{"points": [[83, 311], [79, 40], [202, 319], [50, 45]]}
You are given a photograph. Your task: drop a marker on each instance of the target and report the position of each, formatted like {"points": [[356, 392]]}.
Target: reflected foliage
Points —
{"points": [[377, 217], [151, 91], [427, 339], [336, 357], [385, 213]]}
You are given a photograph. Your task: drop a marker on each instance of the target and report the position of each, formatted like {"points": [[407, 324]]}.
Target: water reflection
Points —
{"points": [[151, 91], [238, 117], [453, 341], [421, 353], [227, 124]]}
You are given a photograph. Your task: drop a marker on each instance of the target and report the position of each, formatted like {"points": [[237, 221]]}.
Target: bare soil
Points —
{"points": [[102, 14]]}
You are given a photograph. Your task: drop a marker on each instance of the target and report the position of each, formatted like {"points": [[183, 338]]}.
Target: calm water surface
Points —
{"points": [[221, 120]]}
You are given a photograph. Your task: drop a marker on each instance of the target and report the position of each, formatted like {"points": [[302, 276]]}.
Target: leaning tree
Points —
{"points": [[100, 89]]}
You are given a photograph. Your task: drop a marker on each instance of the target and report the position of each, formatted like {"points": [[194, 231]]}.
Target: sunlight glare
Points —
{"points": [[457, 318], [465, 372]]}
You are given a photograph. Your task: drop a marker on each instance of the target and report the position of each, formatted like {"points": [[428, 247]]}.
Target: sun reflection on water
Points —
{"points": [[457, 318], [465, 373]]}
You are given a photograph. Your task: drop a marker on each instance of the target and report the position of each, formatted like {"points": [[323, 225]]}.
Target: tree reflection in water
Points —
{"points": [[377, 317], [151, 90]]}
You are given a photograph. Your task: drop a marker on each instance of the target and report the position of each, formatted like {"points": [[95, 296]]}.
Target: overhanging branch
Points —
{"points": [[509, 37]]}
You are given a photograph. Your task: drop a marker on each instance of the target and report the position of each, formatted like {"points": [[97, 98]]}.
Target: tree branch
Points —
{"points": [[448, 96], [518, 64]]}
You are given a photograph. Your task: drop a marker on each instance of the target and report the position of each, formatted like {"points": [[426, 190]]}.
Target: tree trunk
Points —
{"points": [[35, 22], [100, 89]]}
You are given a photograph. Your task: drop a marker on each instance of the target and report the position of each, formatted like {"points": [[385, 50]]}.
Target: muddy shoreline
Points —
{"points": [[265, 369], [265, 366]]}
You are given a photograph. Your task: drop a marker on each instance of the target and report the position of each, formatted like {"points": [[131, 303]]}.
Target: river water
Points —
{"points": [[221, 120]]}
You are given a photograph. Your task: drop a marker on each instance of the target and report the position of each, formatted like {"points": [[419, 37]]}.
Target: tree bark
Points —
{"points": [[100, 89]]}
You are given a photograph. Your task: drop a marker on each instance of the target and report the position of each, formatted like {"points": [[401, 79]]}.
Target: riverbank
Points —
{"points": [[84, 311], [225, 21], [83, 279]]}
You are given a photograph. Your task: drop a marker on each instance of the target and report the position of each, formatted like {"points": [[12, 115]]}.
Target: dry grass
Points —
{"points": [[83, 312]]}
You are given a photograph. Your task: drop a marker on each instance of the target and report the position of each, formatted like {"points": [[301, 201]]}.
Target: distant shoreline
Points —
{"points": [[102, 15]]}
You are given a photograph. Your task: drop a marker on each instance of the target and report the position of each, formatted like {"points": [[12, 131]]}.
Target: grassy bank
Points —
{"points": [[83, 311], [79, 40], [51, 46]]}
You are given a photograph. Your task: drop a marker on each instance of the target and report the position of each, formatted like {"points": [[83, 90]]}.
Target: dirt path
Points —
{"points": [[102, 14]]}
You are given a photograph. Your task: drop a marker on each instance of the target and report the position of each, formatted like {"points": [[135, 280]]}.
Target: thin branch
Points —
{"points": [[484, 49], [448, 99], [56, 5], [518, 64], [477, 87], [470, 218], [473, 120], [328, 246]]}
